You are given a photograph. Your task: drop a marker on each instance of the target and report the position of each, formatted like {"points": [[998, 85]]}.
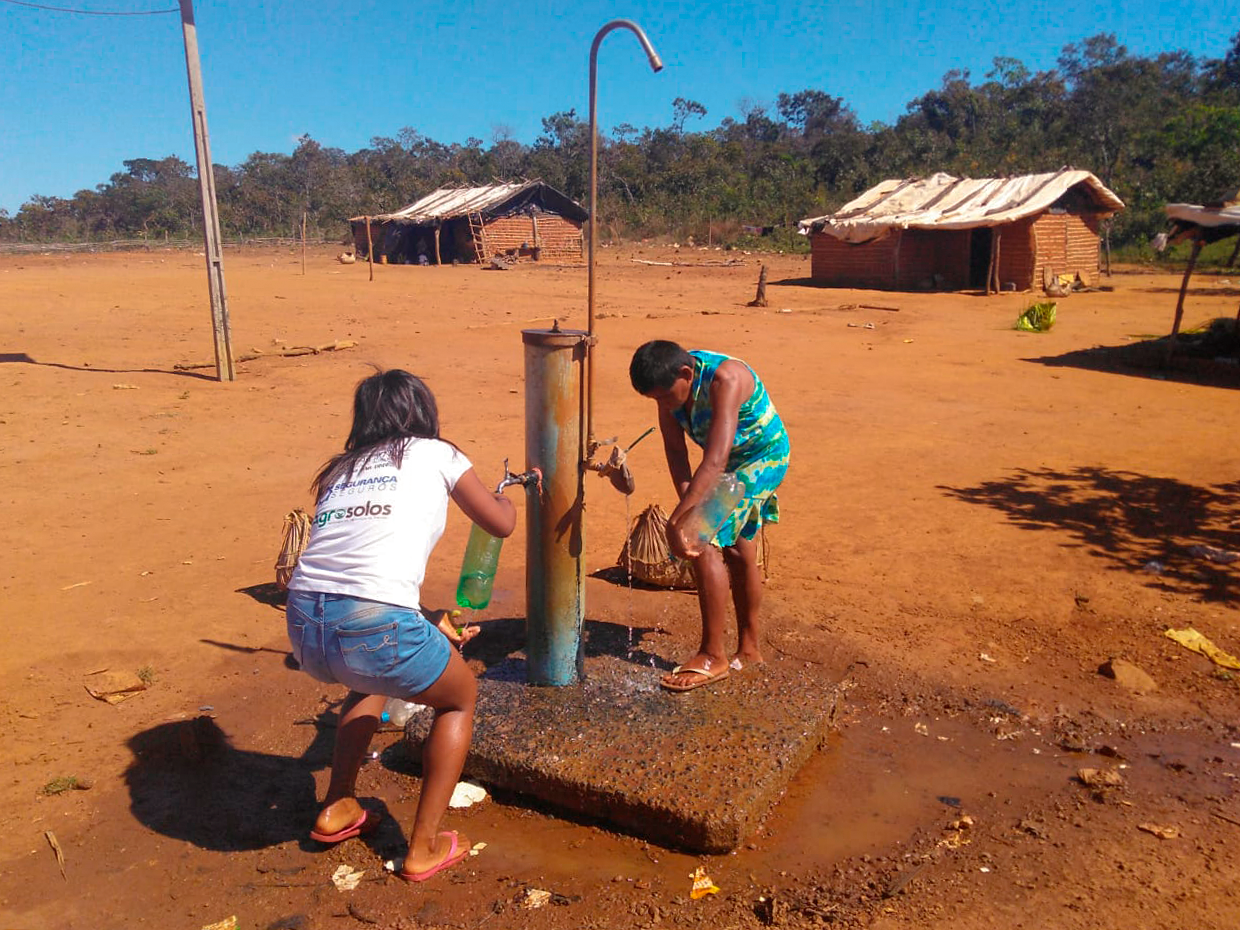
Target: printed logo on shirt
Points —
{"points": [[368, 509], [361, 486]]}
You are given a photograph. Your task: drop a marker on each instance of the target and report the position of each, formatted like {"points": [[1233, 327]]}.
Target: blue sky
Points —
{"points": [[84, 93]]}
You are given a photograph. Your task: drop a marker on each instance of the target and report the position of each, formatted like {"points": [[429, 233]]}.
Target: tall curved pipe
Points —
{"points": [[656, 65]]}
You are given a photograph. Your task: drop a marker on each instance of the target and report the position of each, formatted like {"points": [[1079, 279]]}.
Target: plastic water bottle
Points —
{"points": [[397, 712], [711, 513], [478, 569]]}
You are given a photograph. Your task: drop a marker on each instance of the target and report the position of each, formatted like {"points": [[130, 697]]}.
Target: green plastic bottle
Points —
{"points": [[478, 569]]}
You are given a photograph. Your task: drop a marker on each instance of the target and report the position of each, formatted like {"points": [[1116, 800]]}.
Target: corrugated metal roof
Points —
{"points": [[450, 202], [942, 201]]}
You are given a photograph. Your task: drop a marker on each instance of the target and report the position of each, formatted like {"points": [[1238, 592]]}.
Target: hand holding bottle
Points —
{"points": [[447, 622]]}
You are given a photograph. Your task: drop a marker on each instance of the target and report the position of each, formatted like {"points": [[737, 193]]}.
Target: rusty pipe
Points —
{"points": [[656, 64]]}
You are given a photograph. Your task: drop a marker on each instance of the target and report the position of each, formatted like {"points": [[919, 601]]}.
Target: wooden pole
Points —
{"points": [[998, 256], [438, 260], [225, 369], [370, 250], [303, 242], [1179, 305], [990, 266], [760, 299]]}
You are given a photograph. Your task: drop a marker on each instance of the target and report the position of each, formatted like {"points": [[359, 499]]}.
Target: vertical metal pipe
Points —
{"points": [[554, 442], [656, 65]]}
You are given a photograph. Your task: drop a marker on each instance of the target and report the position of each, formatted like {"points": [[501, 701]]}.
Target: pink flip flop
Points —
{"points": [[454, 856], [363, 825]]}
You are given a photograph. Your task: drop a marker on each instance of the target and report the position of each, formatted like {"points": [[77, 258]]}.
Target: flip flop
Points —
{"points": [[363, 825], [454, 856], [706, 679]]}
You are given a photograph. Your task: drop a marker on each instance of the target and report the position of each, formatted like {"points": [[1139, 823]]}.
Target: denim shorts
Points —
{"points": [[368, 646]]}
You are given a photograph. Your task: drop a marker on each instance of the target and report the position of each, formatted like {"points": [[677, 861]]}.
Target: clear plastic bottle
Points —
{"points": [[711, 513], [478, 569], [398, 712]]}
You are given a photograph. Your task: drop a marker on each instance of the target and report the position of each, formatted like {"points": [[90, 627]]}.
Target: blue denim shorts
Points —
{"points": [[368, 646]]}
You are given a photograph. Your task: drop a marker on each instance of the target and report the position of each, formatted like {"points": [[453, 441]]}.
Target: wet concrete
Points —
{"points": [[695, 771]]}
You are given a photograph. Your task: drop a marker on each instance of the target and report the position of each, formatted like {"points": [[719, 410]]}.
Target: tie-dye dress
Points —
{"points": [[760, 449]]}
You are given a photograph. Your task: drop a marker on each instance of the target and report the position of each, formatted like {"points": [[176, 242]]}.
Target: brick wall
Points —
{"points": [[839, 264], [1066, 243], [556, 235]]}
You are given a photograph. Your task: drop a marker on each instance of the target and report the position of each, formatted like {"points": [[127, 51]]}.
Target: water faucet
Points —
{"points": [[525, 479]]}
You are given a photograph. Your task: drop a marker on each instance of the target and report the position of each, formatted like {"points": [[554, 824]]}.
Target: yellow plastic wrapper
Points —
{"points": [[1191, 639], [702, 885]]}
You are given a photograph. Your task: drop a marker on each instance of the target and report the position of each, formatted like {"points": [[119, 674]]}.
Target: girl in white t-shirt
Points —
{"points": [[354, 609]]}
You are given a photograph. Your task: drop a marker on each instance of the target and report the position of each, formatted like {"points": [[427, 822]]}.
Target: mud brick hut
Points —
{"points": [[947, 233], [467, 224]]}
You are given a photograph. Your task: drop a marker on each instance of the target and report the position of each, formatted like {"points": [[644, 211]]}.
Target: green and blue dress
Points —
{"points": [[760, 449]]}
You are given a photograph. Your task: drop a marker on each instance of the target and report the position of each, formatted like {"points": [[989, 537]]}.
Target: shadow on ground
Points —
{"points": [[501, 643], [22, 358], [1210, 358], [1169, 529], [187, 781]]}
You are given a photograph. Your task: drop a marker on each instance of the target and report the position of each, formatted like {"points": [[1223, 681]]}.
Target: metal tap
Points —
{"points": [[525, 479]]}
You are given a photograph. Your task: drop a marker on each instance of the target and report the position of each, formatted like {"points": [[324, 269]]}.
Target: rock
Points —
{"points": [[1128, 676], [1100, 778]]}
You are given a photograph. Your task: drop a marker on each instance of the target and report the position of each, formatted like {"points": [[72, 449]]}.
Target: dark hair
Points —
{"points": [[389, 407], [657, 364]]}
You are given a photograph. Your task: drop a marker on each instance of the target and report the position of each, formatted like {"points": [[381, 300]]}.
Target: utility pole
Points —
{"points": [[224, 367]]}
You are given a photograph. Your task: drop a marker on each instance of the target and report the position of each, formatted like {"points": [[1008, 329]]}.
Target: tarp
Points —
{"points": [[942, 201], [492, 200], [1191, 213]]}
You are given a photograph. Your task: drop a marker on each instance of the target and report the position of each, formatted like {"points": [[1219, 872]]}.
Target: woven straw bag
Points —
{"points": [[646, 555], [292, 545]]}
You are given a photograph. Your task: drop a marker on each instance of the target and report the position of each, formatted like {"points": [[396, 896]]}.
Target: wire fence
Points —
{"points": [[152, 245]]}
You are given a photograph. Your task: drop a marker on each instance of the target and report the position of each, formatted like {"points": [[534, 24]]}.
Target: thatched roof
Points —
{"points": [[491, 200], [945, 202]]}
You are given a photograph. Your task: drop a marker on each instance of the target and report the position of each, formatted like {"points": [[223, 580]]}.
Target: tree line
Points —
{"points": [[1155, 129]]}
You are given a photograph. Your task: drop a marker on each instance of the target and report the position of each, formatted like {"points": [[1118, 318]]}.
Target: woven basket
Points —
{"points": [[292, 545], [646, 555]]}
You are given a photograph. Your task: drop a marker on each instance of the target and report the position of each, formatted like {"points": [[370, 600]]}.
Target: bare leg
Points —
{"points": [[443, 756], [712, 586], [746, 579], [359, 718]]}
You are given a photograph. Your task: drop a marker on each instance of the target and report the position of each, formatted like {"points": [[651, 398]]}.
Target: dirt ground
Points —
{"points": [[975, 520]]}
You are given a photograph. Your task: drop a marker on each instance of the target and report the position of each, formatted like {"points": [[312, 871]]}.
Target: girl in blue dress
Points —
{"points": [[723, 406]]}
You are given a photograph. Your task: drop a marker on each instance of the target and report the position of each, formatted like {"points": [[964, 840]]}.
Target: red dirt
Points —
{"points": [[969, 526]]}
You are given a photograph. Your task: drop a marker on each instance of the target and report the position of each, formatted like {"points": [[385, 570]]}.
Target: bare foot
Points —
{"points": [[338, 815], [419, 861], [746, 658]]}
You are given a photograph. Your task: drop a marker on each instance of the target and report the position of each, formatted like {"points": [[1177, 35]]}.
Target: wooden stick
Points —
{"points": [[438, 260], [1179, 306], [760, 299], [370, 250], [303, 242]]}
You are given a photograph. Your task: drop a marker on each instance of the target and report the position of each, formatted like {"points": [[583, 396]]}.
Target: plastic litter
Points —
{"points": [[346, 878], [535, 897], [1191, 639], [228, 923], [1038, 318], [702, 884], [398, 712], [466, 794]]}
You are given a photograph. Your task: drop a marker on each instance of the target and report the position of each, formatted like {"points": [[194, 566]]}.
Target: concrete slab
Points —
{"points": [[696, 771]]}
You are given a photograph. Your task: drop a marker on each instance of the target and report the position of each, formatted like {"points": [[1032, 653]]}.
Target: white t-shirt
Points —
{"points": [[373, 532]]}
